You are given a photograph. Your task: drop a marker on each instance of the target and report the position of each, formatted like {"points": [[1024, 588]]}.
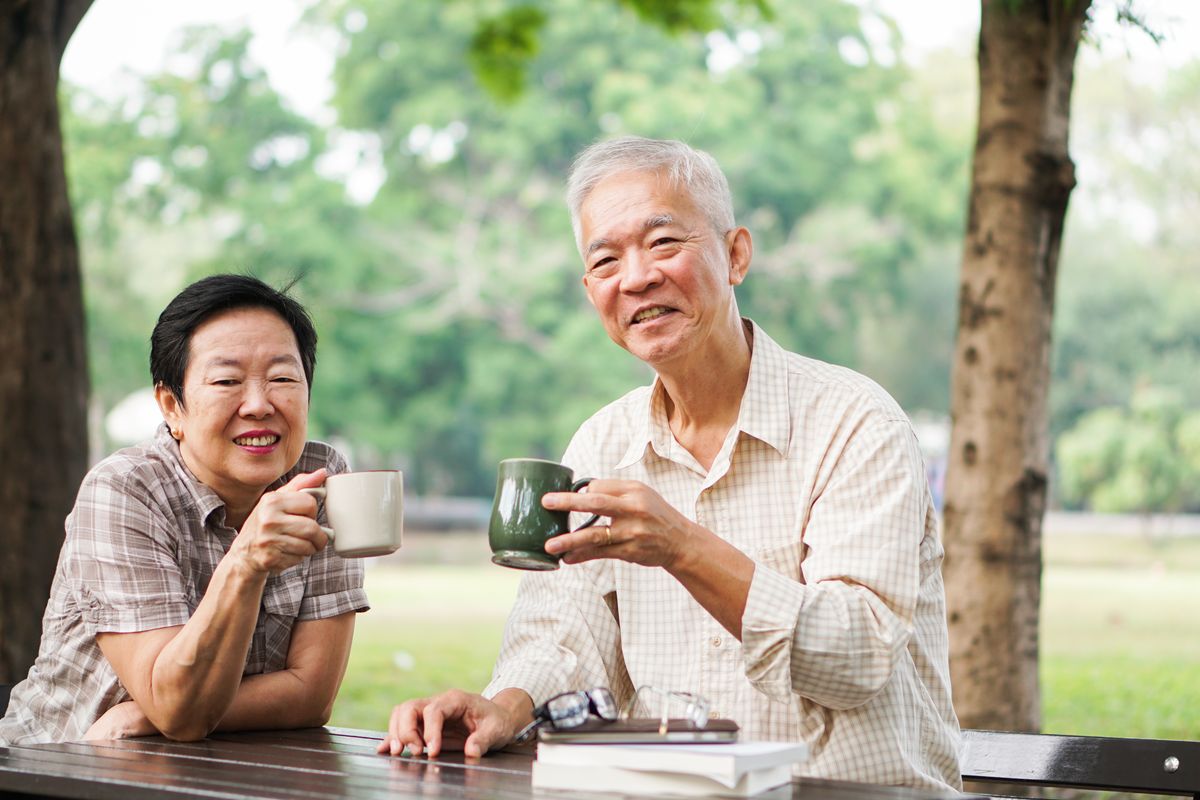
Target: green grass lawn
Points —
{"points": [[1120, 636]]}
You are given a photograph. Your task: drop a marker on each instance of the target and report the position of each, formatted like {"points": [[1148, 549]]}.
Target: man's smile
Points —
{"points": [[653, 312]]}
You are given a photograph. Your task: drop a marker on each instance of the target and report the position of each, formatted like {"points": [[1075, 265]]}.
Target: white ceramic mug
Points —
{"points": [[365, 510]]}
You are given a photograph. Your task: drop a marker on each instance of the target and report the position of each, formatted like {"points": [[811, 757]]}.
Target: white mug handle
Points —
{"points": [[319, 493]]}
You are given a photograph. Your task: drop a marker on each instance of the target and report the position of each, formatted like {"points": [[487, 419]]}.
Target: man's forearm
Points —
{"points": [[718, 575]]}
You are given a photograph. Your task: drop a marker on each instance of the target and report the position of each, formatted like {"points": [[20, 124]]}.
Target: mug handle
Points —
{"points": [[319, 492], [575, 487]]}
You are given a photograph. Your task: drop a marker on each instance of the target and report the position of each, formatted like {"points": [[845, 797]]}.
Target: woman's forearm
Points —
{"points": [[302, 694], [196, 676]]}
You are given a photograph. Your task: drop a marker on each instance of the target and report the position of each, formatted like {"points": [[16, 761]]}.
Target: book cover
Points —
{"points": [[723, 763], [600, 778]]}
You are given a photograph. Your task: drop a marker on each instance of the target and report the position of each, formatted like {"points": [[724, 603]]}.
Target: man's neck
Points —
{"points": [[703, 400]]}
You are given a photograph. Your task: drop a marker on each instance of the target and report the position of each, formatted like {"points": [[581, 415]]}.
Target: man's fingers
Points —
{"points": [[488, 732], [433, 719], [403, 730]]}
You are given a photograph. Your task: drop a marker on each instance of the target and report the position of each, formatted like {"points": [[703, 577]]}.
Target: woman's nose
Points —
{"points": [[256, 402]]}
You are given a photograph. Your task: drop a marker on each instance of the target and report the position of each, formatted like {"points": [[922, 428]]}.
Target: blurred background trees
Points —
{"points": [[427, 220], [454, 331]]}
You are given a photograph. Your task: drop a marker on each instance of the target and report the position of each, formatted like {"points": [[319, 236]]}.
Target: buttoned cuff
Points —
{"points": [[324, 606], [149, 614]]}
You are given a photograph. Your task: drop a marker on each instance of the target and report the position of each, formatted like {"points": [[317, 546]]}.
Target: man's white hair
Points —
{"points": [[687, 168]]}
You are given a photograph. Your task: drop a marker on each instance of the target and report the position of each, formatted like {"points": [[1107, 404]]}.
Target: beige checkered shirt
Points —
{"points": [[142, 543], [822, 484]]}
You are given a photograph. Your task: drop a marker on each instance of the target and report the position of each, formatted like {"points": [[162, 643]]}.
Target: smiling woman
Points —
{"points": [[194, 591]]}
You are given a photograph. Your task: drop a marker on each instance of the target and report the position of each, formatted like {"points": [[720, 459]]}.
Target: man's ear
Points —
{"points": [[740, 249], [588, 290]]}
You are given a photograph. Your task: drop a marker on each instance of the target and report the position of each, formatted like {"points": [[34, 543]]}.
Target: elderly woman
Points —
{"points": [[194, 591]]}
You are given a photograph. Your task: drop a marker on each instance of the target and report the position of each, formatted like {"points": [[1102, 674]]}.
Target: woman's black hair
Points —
{"points": [[171, 340]]}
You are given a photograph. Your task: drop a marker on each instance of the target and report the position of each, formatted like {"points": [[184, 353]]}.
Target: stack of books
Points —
{"points": [[736, 768]]}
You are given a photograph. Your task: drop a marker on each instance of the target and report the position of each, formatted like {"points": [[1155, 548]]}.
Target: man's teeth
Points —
{"points": [[256, 441], [649, 313]]}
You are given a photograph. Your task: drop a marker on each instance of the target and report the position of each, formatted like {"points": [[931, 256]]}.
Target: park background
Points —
{"points": [[349, 144]]}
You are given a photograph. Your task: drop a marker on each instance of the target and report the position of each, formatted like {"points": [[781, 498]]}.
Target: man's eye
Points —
{"points": [[604, 266], [284, 379], [225, 382]]}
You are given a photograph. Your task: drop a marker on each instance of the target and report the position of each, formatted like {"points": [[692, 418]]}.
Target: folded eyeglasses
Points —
{"points": [[572, 709]]}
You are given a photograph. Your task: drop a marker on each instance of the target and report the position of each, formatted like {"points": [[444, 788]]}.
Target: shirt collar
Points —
{"points": [[766, 408], [202, 495], [764, 412]]}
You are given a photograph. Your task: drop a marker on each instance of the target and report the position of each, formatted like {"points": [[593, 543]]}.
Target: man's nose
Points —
{"points": [[640, 273]]}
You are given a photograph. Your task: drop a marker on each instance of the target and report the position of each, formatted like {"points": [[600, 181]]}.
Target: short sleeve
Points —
{"points": [[121, 557]]}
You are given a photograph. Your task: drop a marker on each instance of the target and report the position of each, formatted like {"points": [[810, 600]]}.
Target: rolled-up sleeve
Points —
{"points": [[561, 633], [828, 619]]}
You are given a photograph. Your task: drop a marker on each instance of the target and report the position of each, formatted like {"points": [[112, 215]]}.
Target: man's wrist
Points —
{"points": [[518, 705]]}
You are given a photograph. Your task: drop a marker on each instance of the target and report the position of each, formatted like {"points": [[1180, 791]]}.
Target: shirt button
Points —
{"points": [[716, 641]]}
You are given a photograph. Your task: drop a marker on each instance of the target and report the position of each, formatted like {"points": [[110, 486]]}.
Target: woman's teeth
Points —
{"points": [[256, 441]]}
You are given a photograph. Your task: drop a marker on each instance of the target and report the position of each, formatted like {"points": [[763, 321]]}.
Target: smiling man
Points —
{"points": [[768, 537]]}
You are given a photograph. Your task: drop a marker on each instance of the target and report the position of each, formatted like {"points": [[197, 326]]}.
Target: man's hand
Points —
{"points": [[282, 529], [645, 529], [122, 721], [456, 720]]}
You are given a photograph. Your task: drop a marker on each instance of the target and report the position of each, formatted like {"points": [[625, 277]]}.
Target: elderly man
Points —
{"points": [[771, 541]]}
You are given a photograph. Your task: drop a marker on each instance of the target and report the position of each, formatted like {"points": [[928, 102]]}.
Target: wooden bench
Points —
{"points": [[1148, 766]]}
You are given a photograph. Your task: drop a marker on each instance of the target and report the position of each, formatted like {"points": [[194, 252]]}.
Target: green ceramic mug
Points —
{"points": [[520, 525]]}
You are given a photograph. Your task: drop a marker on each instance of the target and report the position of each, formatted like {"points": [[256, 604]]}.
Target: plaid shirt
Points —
{"points": [[142, 543], [844, 643]]}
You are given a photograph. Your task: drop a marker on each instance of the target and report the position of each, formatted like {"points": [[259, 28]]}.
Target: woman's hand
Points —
{"points": [[282, 529], [122, 721]]}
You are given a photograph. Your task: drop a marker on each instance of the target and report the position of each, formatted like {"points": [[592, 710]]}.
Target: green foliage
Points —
{"points": [[502, 48], [1144, 458], [454, 329]]}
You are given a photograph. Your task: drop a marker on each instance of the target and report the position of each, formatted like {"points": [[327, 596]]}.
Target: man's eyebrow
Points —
{"points": [[657, 221]]}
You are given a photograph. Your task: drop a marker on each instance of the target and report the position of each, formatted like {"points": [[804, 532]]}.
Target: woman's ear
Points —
{"points": [[171, 409]]}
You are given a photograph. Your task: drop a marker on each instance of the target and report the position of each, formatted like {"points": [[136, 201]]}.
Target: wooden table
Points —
{"points": [[304, 765]]}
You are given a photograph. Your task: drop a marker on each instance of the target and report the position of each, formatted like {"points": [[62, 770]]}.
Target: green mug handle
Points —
{"points": [[575, 487]]}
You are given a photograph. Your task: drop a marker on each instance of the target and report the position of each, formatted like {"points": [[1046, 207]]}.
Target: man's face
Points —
{"points": [[659, 274]]}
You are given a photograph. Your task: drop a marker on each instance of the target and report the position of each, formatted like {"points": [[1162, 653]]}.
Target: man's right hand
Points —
{"points": [[456, 720]]}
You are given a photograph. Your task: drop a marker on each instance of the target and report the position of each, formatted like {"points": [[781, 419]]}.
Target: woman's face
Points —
{"points": [[244, 415]]}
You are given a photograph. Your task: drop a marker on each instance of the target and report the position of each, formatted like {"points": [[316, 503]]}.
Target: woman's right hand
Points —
{"points": [[282, 529]]}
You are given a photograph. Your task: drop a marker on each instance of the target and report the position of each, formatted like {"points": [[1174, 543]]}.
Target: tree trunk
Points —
{"points": [[43, 364], [996, 482]]}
